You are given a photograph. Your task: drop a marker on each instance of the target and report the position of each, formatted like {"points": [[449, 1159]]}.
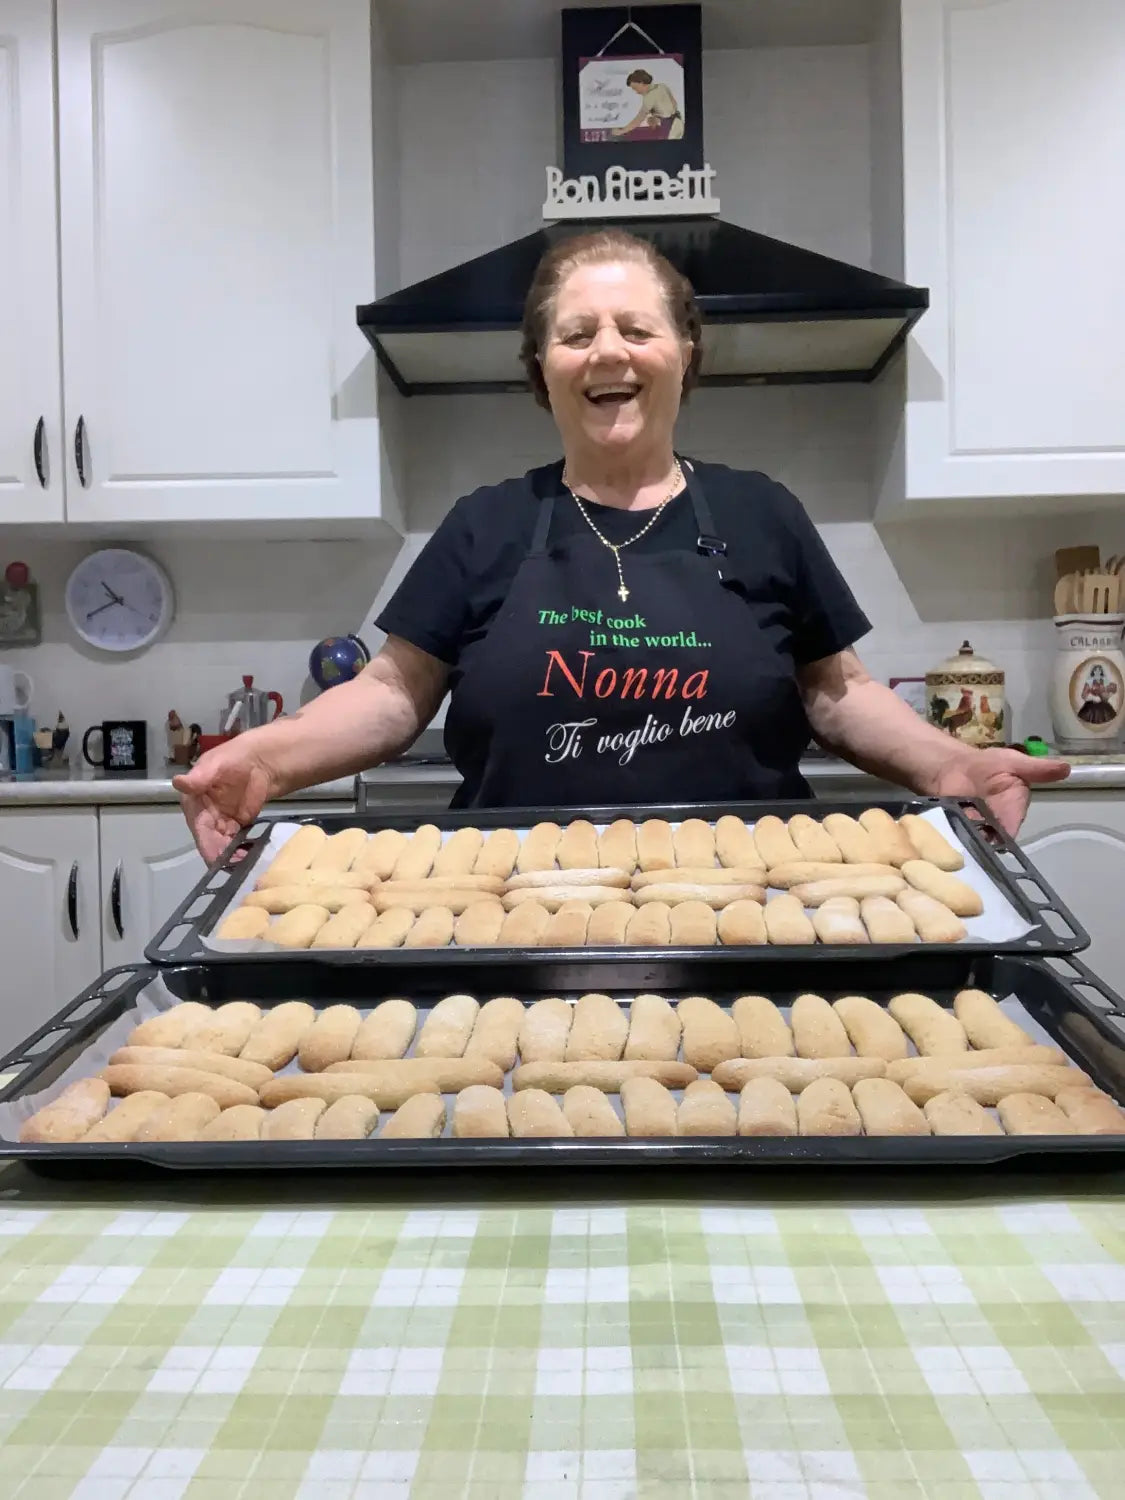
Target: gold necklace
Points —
{"points": [[618, 547]]}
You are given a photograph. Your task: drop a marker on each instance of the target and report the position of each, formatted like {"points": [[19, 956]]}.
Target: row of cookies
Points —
{"points": [[656, 916], [766, 1107], [354, 857], [248, 1045], [824, 1102]]}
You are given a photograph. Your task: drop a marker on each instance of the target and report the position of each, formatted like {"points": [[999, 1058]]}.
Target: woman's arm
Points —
{"points": [[355, 725], [865, 723], [358, 724], [634, 122]]}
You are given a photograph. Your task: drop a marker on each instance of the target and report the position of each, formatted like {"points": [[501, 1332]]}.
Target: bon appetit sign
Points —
{"points": [[632, 115]]}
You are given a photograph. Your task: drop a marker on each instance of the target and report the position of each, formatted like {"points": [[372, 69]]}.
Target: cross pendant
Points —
{"points": [[623, 593]]}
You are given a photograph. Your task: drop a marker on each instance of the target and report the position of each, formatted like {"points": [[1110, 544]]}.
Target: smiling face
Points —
{"points": [[613, 361]]}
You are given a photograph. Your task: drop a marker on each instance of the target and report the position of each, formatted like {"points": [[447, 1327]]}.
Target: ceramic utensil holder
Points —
{"points": [[1087, 692]]}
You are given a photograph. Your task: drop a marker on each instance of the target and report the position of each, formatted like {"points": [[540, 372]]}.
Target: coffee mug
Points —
{"points": [[16, 689], [124, 745]]}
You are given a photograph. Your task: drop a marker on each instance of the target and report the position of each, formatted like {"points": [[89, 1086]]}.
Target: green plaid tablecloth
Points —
{"points": [[234, 1342]]}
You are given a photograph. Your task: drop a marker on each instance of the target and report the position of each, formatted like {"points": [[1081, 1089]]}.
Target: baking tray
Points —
{"points": [[1058, 997], [1053, 929]]}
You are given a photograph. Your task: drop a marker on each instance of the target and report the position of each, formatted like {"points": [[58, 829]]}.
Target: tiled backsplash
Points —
{"points": [[790, 133]]}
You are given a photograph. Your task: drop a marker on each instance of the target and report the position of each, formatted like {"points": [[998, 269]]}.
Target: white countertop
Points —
{"points": [[100, 790]]}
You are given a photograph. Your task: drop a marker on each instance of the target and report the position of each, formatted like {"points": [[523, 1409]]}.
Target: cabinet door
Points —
{"points": [[149, 864], [217, 234], [1077, 839], [49, 935], [1013, 144], [30, 393]]}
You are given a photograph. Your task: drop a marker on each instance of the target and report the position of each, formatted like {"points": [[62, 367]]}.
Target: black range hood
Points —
{"points": [[772, 312]]}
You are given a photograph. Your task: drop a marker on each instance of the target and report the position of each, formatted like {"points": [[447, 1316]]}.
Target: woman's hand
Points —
{"points": [[223, 793], [1002, 778]]}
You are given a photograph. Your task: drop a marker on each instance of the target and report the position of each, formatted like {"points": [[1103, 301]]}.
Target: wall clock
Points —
{"points": [[119, 600]]}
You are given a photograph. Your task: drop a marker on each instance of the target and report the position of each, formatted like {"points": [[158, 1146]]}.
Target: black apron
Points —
{"points": [[576, 698]]}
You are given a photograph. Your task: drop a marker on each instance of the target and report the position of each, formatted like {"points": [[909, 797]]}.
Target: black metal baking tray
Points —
{"points": [[1054, 929], [1079, 1013]]}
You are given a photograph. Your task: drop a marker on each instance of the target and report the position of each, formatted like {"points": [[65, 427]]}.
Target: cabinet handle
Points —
{"points": [[80, 451], [115, 902], [72, 900], [41, 452]]}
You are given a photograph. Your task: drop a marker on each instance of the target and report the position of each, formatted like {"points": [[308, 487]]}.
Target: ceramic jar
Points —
{"points": [[1087, 692], [965, 697]]}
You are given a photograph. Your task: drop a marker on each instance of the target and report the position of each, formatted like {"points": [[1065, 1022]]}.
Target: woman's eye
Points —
{"points": [[577, 338], [638, 334]]}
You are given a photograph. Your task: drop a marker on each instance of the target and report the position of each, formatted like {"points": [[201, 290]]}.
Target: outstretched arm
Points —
{"points": [[864, 722]]}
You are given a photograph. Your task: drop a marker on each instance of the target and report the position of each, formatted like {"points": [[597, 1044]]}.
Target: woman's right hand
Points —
{"points": [[224, 792]]}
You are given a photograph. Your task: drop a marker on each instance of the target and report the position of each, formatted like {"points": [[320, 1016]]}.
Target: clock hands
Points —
{"points": [[91, 613], [117, 599]]}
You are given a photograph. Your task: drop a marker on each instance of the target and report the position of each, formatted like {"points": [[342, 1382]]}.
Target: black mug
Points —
{"points": [[124, 745]]}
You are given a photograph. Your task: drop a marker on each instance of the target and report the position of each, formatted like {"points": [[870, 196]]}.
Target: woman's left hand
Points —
{"points": [[1003, 779]]}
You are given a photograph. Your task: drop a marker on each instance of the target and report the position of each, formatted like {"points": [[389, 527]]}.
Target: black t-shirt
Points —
{"points": [[451, 595]]}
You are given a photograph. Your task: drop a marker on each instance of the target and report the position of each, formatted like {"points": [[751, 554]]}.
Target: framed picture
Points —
{"points": [[632, 88], [911, 690], [19, 614]]}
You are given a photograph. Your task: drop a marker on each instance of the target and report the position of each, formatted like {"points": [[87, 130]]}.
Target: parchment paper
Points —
{"points": [[1000, 922]]}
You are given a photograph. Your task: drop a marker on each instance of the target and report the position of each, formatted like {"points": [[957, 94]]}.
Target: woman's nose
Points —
{"points": [[608, 343]]}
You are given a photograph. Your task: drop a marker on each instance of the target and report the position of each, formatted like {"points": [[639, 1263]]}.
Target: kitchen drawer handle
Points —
{"points": [[72, 900], [115, 902], [80, 451], [41, 451]]}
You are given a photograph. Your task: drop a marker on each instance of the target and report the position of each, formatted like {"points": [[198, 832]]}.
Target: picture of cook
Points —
{"points": [[626, 625], [659, 114]]}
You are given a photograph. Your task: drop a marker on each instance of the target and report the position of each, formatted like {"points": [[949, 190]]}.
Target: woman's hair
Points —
{"points": [[603, 247], [638, 75]]}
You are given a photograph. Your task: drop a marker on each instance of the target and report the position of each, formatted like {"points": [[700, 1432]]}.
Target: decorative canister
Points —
{"points": [[1087, 691], [965, 696]]}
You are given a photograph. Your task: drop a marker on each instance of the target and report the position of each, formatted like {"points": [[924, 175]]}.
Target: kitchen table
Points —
{"points": [[721, 1336]]}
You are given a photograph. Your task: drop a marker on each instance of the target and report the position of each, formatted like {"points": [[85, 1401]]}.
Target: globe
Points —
{"points": [[337, 659]]}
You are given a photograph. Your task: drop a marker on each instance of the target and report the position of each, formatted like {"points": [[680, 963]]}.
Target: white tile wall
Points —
{"points": [[794, 134], [242, 606]]}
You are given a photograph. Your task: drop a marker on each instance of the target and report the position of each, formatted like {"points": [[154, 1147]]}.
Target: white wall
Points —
{"points": [[255, 607], [793, 133]]}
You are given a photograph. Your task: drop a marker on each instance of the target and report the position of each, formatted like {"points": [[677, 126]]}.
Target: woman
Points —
{"points": [[624, 626], [1097, 693], [659, 115]]}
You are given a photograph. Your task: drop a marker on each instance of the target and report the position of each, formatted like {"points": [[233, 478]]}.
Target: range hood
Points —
{"points": [[772, 312]]}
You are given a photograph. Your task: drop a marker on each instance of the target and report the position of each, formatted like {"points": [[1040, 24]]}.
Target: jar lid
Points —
{"points": [[965, 660]]}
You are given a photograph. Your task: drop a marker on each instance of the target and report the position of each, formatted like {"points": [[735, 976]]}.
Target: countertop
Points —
{"points": [[936, 1336], [95, 790]]}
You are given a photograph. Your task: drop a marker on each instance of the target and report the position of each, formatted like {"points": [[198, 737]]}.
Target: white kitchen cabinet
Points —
{"points": [[1077, 840], [50, 941], [1013, 130], [148, 865], [217, 233], [30, 391], [210, 237]]}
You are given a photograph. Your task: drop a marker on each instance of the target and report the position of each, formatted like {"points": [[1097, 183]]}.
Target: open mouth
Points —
{"points": [[612, 395]]}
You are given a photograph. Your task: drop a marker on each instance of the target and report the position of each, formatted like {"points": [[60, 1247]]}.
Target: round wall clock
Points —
{"points": [[119, 600]]}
